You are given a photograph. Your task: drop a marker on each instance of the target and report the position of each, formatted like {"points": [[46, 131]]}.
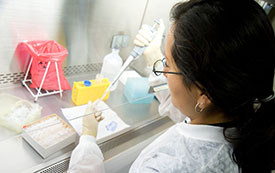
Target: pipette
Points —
{"points": [[135, 54]]}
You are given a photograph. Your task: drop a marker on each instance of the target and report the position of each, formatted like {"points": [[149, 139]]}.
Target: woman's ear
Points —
{"points": [[203, 101]]}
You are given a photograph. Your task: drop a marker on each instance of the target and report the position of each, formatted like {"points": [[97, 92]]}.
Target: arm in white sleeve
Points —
{"points": [[86, 157], [164, 97]]}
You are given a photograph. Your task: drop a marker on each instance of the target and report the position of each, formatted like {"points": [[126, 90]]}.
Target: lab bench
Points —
{"points": [[119, 149]]}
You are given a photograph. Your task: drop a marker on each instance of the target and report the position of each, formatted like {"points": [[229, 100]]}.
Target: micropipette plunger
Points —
{"points": [[135, 54]]}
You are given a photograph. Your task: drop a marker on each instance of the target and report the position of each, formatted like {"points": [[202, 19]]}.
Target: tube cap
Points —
{"points": [[87, 83]]}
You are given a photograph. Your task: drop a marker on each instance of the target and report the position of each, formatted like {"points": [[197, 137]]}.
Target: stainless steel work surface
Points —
{"points": [[17, 155]]}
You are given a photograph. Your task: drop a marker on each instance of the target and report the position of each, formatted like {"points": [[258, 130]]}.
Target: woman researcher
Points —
{"points": [[219, 64]]}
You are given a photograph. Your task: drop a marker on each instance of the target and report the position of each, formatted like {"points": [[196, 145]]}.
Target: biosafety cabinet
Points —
{"points": [[87, 30]]}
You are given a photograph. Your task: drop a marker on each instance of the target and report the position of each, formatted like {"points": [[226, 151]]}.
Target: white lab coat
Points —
{"points": [[182, 148], [187, 148], [86, 157]]}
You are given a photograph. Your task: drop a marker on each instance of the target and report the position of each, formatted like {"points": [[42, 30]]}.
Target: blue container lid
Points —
{"points": [[87, 83]]}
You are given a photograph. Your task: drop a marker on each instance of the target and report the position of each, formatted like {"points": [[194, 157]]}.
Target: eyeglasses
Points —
{"points": [[159, 65]]}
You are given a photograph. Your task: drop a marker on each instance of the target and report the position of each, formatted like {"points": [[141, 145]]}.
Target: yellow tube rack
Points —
{"points": [[82, 94]]}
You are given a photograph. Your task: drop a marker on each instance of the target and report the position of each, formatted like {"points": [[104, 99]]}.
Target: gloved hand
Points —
{"points": [[90, 120], [144, 38]]}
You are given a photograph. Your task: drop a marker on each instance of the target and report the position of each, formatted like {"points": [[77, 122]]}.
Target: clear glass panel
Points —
{"points": [[85, 29]]}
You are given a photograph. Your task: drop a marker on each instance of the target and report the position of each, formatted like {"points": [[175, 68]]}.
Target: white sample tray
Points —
{"points": [[49, 134]]}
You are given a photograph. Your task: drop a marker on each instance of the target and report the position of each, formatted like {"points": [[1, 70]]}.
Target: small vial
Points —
{"points": [[98, 78]]}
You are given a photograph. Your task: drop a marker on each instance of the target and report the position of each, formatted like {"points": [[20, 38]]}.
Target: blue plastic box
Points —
{"points": [[136, 91]]}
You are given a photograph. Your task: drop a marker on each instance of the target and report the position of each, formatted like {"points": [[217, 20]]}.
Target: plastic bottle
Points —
{"points": [[111, 66]]}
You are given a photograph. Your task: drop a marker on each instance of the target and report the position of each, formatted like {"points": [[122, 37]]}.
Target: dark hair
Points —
{"points": [[227, 47]]}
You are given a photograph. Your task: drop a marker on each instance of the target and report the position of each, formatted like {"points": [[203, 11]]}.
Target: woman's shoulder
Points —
{"points": [[176, 151]]}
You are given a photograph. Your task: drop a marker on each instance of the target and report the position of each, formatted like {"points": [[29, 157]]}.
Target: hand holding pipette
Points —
{"points": [[152, 53], [91, 119], [136, 52]]}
